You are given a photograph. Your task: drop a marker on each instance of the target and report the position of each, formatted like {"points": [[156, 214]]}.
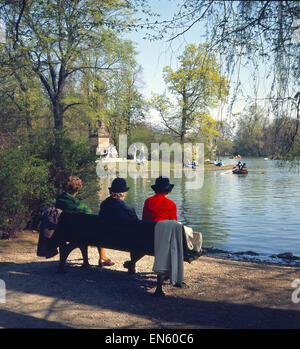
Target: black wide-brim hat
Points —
{"points": [[118, 185], [162, 185]]}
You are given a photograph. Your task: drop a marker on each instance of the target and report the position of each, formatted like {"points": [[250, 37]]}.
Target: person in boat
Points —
{"points": [[220, 163], [69, 202], [244, 167], [158, 207], [238, 166]]}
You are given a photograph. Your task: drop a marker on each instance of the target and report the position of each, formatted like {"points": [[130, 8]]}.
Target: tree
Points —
{"points": [[124, 105], [148, 134], [196, 85], [253, 28], [59, 39], [246, 32], [251, 130], [224, 143], [25, 96]]}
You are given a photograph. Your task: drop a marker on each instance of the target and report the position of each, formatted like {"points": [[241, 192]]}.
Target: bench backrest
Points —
{"points": [[92, 230]]}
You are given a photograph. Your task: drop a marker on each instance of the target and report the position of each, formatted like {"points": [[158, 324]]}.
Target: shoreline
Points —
{"points": [[140, 169], [280, 259]]}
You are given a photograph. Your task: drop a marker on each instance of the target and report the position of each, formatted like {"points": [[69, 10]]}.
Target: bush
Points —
{"points": [[66, 157], [25, 188], [32, 175]]}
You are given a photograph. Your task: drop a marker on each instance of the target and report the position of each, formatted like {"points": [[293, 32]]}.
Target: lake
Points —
{"points": [[258, 211]]}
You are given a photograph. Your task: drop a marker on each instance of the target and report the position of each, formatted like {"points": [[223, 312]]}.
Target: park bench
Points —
{"points": [[83, 230]]}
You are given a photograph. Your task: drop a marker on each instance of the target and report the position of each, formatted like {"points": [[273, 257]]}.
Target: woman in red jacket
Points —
{"points": [[159, 207]]}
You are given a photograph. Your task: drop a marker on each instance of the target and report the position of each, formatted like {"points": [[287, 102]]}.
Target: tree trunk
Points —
{"points": [[58, 112], [184, 117]]}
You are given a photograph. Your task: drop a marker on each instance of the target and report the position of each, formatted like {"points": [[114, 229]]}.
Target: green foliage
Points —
{"points": [[64, 69], [225, 147], [257, 30], [66, 156], [257, 136], [196, 85], [262, 36], [250, 133], [59, 42], [33, 174], [124, 105], [143, 133], [25, 187]]}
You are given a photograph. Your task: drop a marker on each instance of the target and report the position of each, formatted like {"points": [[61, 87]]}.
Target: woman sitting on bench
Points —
{"points": [[67, 201], [114, 208], [159, 207]]}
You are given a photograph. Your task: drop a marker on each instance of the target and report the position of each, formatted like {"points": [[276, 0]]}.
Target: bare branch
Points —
{"points": [[193, 23], [18, 22], [168, 126], [71, 105]]}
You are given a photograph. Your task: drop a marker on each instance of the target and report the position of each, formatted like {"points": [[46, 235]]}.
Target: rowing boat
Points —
{"points": [[240, 171]]}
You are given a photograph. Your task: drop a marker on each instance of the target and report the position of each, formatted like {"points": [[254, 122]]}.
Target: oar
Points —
{"points": [[226, 172], [256, 171]]}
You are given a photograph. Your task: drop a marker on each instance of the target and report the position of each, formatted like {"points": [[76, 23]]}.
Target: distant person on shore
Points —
{"points": [[220, 163], [142, 159], [68, 202], [114, 208], [159, 207], [134, 150]]}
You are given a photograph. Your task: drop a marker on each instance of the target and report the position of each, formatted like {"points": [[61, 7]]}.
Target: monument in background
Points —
{"points": [[105, 149]]}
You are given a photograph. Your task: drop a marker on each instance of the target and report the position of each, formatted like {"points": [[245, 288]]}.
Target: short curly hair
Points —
{"points": [[118, 195], [73, 185]]}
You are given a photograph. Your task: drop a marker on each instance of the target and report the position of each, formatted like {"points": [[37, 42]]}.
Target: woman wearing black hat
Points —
{"points": [[114, 208], [159, 207]]}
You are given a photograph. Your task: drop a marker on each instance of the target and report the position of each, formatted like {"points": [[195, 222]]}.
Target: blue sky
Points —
{"points": [[153, 56]]}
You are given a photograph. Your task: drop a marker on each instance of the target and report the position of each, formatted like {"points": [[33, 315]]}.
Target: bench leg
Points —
{"points": [[130, 265], [63, 255], [64, 251], [84, 252]]}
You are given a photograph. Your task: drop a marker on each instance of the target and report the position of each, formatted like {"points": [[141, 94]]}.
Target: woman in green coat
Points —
{"points": [[67, 201]]}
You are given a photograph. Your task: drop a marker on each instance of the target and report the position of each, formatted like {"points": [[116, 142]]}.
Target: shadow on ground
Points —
{"points": [[116, 291]]}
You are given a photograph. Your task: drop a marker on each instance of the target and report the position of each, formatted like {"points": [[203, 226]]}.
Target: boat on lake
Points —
{"points": [[237, 171]]}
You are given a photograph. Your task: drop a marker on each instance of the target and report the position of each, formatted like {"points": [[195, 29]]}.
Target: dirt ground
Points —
{"points": [[222, 293]]}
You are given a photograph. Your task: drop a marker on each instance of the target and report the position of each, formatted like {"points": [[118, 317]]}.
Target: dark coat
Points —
{"points": [[112, 210], [50, 219]]}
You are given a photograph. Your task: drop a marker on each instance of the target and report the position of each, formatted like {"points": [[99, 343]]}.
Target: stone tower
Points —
{"points": [[103, 140]]}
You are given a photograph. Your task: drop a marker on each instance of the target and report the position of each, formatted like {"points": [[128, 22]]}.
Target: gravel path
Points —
{"points": [[222, 293]]}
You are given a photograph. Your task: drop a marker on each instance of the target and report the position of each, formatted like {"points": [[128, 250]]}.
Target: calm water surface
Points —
{"points": [[257, 212]]}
